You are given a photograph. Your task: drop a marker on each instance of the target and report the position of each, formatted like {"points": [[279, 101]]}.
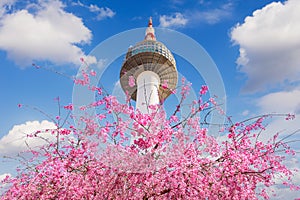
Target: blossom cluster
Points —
{"points": [[122, 153]]}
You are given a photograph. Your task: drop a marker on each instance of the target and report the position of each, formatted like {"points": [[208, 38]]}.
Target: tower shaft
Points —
{"points": [[147, 90]]}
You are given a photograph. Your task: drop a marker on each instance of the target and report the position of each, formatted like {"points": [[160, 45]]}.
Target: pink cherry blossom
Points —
{"points": [[121, 153], [203, 90], [131, 81], [93, 73], [165, 84], [69, 107]]}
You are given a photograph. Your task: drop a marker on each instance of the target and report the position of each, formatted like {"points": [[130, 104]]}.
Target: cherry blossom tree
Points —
{"points": [[121, 153]]}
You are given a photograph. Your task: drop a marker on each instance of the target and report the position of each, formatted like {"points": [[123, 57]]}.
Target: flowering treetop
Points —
{"points": [[121, 153]]}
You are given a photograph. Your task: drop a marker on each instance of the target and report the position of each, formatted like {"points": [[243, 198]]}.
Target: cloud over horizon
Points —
{"points": [[49, 33], [269, 45], [201, 12], [16, 139], [283, 101], [174, 20], [102, 13], [214, 15]]}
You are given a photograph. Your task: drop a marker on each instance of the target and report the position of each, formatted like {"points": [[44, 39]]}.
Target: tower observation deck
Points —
{"points": [[152, 66]]}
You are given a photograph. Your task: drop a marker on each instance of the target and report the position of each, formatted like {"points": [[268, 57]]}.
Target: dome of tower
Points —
{"points": [[149, 55]]}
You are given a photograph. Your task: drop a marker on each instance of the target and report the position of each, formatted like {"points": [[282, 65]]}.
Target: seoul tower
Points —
{"points": [[153, 68]]}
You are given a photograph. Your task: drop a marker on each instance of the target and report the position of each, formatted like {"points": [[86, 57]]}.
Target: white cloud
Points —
{"points": [[50, 34], [89, 60], [269, 55], [174, 20], [270, 46], [101, 63], [214, 16], [16, 139], [196, 16], [281, 102], [78, 3], [5, 5], [102, 12]]}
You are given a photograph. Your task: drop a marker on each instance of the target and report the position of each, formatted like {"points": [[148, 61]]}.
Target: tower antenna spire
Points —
{"points": [[150, 33], [150, 22]]}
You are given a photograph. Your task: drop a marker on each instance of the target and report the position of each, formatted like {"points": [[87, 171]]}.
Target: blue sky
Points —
{"points": [[254, 44]]}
